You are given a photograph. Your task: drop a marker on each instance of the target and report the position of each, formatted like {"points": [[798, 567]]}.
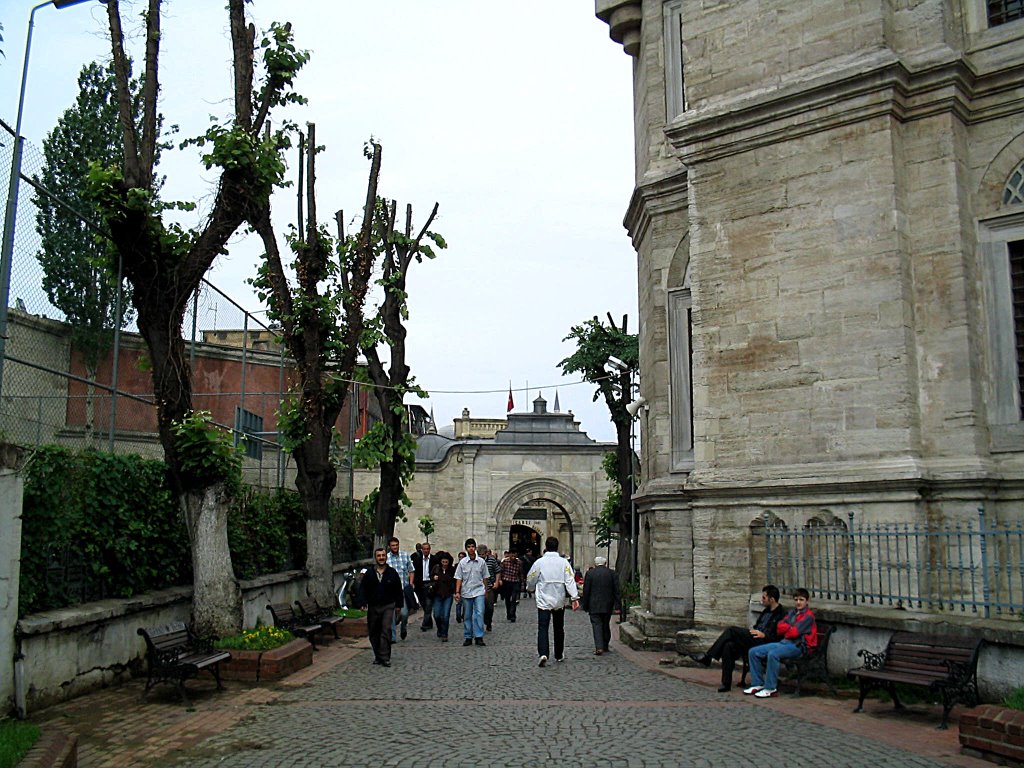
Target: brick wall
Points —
{"points": [[993, 731]]}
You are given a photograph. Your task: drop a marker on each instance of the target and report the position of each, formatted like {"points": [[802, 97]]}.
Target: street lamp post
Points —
{"points": [[11, 212]]}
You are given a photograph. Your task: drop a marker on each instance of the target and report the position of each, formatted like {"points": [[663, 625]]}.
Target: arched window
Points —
{"points": [[1013, 192]]}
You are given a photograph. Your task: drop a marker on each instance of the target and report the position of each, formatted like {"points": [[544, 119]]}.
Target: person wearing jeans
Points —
{"points": [[798, 633], [553, 580], [399, 560], [442, 581], [471, 582]]}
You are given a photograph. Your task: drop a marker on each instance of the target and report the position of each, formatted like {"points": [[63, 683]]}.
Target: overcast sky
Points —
{"points": [[516, 119]]}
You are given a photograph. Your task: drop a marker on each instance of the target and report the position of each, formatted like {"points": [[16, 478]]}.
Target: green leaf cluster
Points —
{"points": [[110, 518], [206, 454], [379, 445], [595, 344], [266, 532], [606, 524]]}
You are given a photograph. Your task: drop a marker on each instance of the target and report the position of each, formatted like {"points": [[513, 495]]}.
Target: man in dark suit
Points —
{"points": [[736, 642], [422, 562], [600, 598]]}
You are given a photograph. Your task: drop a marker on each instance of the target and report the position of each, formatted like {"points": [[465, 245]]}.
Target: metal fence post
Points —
{"points": [[853, 559], [982, 534]]}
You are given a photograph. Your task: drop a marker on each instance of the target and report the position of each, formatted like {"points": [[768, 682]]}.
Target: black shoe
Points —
{"points": [[376, 661], [479, 641], [404, 634], [724, 688], [466, 642], [701, 658], [488, 627], [385, 663]]}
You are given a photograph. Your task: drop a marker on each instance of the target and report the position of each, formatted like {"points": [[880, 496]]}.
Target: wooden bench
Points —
{"points": [[810, 665], [174, 654], [942, 663], [285, 617], [312, 613]]}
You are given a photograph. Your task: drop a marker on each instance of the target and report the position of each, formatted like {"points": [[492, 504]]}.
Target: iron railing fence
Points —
{"points": [[972, 567]]}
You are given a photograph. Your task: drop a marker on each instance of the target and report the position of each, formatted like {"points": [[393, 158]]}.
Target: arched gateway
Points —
{"points": [[535, 509]]}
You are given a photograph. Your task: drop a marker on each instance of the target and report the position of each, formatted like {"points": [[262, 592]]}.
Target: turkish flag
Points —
{"points": [[511, 404]]}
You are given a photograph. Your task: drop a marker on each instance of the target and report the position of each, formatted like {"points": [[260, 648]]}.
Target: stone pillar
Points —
{"points": [[11, 492]]}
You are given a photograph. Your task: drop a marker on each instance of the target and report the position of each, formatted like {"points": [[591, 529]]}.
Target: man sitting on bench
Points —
{"points": [[735, 642], [798, 633]]}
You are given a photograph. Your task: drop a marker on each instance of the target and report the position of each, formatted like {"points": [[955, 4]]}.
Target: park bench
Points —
{"points": [[174, 654], [942, 663], [285, 618], [810, 665], [313, 613]]}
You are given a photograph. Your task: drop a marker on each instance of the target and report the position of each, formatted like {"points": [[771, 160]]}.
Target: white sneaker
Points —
{"points": [[766, 693], [751, 689], [543, 660]]}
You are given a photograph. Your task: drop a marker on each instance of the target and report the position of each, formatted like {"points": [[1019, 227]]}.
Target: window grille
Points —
{"points": [[1013, 192], [249, 423], [1004, 11], [1016, 251]]}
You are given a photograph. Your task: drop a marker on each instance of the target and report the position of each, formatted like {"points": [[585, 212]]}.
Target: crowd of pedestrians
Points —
{"points": [[399, 583]]}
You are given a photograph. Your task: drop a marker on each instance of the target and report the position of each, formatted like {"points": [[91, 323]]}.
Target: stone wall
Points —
{"points": [[11, 491], [823, 197], [68, 652]]}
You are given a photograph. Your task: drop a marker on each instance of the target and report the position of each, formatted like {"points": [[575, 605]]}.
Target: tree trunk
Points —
{"points": [[315, 481], [216, 598], [389, 500], [89, 429], [624, 470]]}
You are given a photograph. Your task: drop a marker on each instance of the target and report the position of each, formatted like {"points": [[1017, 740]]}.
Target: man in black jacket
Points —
{"points": [[422, 563], [600, 599], [380, 591], [735, 642]]}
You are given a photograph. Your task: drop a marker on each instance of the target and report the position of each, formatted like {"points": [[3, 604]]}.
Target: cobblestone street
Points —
{"points": [[493, 705]]}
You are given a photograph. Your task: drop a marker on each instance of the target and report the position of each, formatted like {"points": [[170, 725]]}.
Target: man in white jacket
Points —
{"points": [[553, 580]]}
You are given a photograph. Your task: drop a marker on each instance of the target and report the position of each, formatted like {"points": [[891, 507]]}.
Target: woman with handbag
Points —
{"points": [[442, 589]]}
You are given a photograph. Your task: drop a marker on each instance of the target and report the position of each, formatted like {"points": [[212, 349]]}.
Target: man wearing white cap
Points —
{"points": [[600, 599]]}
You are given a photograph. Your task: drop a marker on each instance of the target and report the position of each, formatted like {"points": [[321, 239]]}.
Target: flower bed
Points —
{"points": [[264, 654]]}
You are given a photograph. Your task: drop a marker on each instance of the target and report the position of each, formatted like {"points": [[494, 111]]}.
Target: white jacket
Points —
{"points": [[553, 579]]}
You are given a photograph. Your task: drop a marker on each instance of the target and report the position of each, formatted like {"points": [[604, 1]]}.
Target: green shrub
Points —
{"points": [[1016, 699], [97, 525], [350, 613], [266, 532], [262, 638], [16, 739], [631, 593]]}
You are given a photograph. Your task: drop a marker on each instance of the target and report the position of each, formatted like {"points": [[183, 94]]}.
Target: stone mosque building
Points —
{"points": [[828, 216], [509, 483]]}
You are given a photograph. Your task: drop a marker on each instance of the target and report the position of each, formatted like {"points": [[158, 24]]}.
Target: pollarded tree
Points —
{"points": [[596, 345], [321, 319], [77, 276], [389, 441], [164, 263]]}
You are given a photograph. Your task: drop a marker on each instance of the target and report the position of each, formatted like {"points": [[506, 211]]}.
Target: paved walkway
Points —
{"points": [[493, 705]]}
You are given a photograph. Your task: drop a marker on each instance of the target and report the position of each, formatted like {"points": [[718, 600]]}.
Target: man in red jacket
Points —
{"points": [[798, 634]]}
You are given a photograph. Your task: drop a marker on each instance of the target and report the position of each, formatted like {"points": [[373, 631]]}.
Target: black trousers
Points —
{"points": [[731, 645], [378, 624], [555, 619], [510, 594], [601, 624]]}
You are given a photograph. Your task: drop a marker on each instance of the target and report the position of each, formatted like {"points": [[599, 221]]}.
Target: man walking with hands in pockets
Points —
{"points": [[553, 579]]}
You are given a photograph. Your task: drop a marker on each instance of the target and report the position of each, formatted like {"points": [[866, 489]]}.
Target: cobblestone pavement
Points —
{"points": [[443, 702]]}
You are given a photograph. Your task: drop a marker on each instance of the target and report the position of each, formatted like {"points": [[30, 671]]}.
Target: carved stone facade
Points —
{"points": [[824, 214], [535, 475]]}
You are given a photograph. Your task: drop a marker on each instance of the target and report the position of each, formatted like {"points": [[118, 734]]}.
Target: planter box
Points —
{"points": [[265, 666], [352, 628], [994, 732]]}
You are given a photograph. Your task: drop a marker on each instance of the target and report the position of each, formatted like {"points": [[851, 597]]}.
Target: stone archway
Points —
{"points": [[567, 500]]}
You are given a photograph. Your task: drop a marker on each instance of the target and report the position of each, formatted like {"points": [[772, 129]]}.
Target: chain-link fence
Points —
{"points": [[71, 376]]}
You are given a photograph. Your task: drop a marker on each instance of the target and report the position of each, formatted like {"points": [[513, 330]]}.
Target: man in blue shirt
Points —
{"points": [[471, 582], [400, 561]]}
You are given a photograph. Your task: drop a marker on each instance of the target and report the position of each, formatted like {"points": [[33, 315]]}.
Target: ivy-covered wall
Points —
{"points": [[98, 525]]}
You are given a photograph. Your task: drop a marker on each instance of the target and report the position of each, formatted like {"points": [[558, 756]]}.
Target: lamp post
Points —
{"points": [[11, 212]]}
